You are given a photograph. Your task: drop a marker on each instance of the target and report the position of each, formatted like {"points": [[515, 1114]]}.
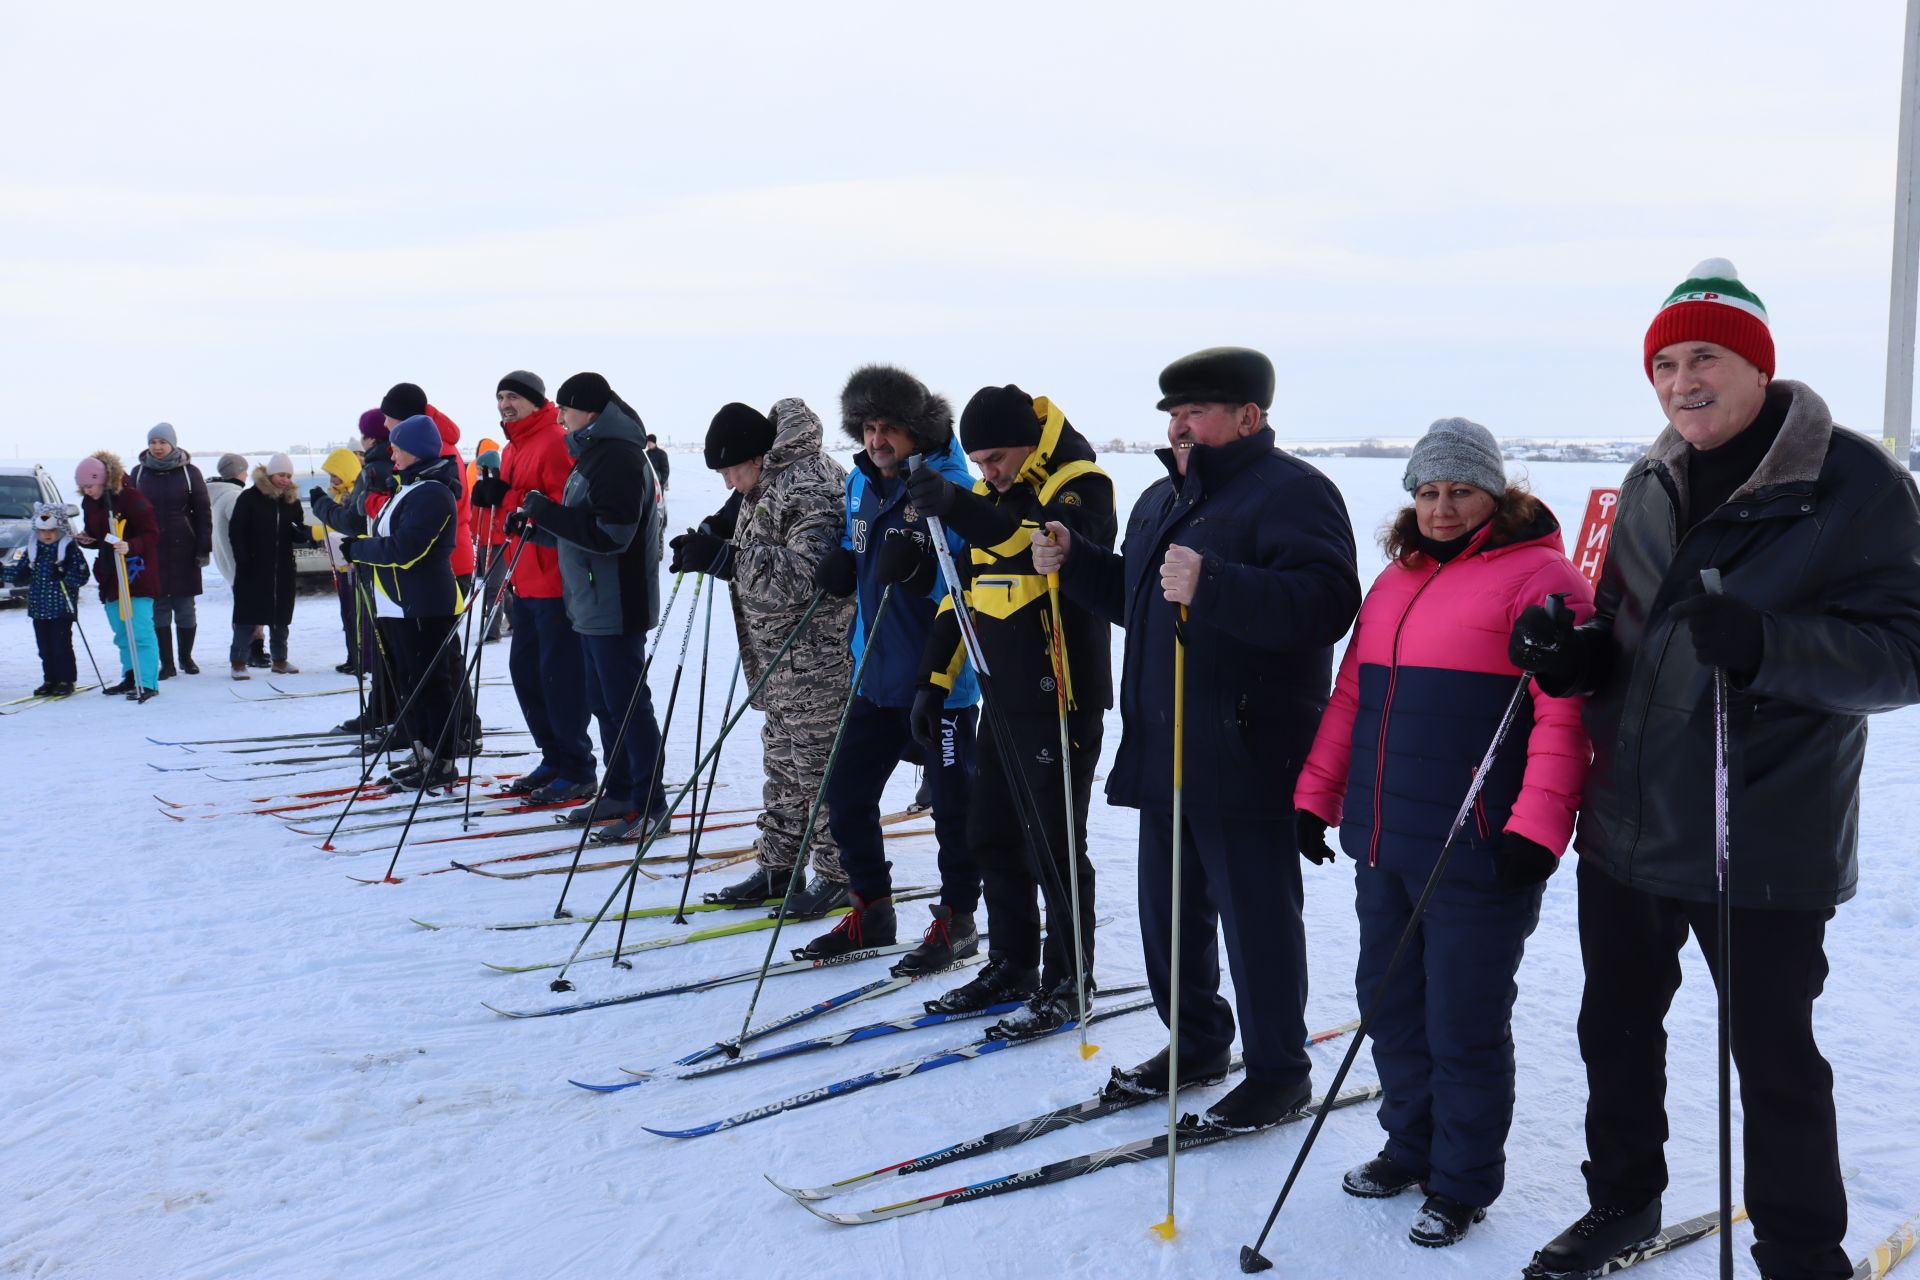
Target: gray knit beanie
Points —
{"points": [[232, 466], [163, 431], [1456, 449]]}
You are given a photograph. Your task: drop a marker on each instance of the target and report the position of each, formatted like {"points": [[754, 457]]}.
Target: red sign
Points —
{"points": [[1596, 531]]}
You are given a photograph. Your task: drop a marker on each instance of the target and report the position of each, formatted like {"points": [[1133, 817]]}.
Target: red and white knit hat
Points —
{"points": [[1711, 305]]}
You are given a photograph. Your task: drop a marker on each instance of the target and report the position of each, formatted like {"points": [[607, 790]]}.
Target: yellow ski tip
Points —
{"points": [[1088, 1050], [1165, 1230]]}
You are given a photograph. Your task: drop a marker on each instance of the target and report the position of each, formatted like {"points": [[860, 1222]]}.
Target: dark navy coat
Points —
{"points": [[411, 549], [1278, 588]]}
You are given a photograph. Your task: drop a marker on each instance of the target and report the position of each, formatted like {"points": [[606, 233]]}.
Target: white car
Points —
{"points": [[21, 485]]}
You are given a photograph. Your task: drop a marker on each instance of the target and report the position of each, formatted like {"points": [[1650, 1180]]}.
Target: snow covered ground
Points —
{"points": [[222, 1057]]}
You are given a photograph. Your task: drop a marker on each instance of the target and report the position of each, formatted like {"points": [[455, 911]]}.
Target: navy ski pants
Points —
{"points": [[869, 751], [544, 660], [613, 666]]}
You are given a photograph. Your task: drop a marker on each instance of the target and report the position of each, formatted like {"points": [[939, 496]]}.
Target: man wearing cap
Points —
{"points": [[1036, 467], [1254, 547], [885, 543], [604, 529], [769, 538], [1815, 532], [657, 459], [409, 554], [544, 654]]}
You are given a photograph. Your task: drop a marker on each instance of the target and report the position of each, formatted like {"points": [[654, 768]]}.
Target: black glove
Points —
{"points": [[1311, 835], [836, 573], [1522, 864], [928, 700], [1727, 632], [517, 522], [489, 491], [929, 492], [1544, 644], [346, 549], [903, 563], [695, 552], [314, 495], [722, 523]]}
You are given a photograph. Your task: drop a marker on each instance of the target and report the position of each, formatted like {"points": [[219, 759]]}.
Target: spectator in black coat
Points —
{"points": [[174, 487], [265, 527]]}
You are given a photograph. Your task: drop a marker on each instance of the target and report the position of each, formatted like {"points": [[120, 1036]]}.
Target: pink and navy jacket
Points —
{"points": [[1421, 691]]}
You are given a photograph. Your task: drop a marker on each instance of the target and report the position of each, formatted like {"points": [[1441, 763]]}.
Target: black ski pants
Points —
{"points": [[1008, 866], [1241, 878], [423, 662], [1630, 943], [55, 640], [869, 751]]}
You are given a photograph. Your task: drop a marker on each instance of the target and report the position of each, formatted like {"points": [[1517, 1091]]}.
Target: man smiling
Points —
{"points": [[1816, 534]]}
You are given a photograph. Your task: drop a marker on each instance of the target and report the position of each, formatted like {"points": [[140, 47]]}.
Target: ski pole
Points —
{"points": [[1063, 699], [706, 800], [1723, 945], [487, 608], [732, 1049], [560, 983], [699, 734], [1251, 1259], [613, 752], [454, 712], [359, 687], [1167, 1229], [77, 626], [657, 773]]}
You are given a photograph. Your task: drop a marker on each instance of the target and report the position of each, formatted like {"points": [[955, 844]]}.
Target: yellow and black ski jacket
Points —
{"points": [[1007, 600]]}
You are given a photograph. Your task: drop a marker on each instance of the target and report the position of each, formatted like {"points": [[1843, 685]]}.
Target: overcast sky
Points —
{"points": [[251, 223]]}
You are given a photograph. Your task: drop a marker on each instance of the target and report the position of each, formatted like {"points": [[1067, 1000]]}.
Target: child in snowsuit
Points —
{"points": [[56, 568]]}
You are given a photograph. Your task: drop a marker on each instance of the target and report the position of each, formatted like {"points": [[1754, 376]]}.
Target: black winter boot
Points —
{"points": [[123, 688], [1258, 1104], [164, 638], [1000, 982], [950, 937], [1052, 1009], [1379, 1178], [257, 655], [187, 664], [766, 884], [1149, 1079], [1602, 1231], [1442, 1221], [869, 924], [812, 901]]}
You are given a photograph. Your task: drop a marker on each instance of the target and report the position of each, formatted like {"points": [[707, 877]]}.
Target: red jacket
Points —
{"points": [[536, 457], [143, 543], [463, 535]]}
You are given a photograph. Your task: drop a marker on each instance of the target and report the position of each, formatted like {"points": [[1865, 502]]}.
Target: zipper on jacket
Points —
{"points": [[1386, 708]]}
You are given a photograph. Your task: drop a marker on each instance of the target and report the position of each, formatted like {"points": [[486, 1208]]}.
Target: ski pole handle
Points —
{"points": [[1556, 606]]}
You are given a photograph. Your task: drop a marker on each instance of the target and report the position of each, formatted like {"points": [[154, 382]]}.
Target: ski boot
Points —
{"points": [[1379, 1178], [631, 827], [1257, 1104], [524, 785], [418, 778], [1052, 1009], [869, 924], [124, 687], [1442, 1221], [560, 791], [607, 808], [1000, 982], [44, 690], [1149, 1078], [764, 885], [820, 896], [1586, 1246], [63, 689], [950, 937]]}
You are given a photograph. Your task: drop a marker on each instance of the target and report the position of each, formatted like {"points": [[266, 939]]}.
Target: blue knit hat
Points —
{"points": [[417, 436]]}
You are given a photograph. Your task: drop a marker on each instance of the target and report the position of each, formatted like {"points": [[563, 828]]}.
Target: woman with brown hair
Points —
{"points": [[266, 525]]}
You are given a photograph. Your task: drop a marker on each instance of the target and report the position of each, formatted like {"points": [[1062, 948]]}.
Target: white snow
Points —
{"points": [[223, 1058]]}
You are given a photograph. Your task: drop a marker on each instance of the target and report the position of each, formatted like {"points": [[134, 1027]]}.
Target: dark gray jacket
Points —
{"points": [[606, 529], [1824, 538]]}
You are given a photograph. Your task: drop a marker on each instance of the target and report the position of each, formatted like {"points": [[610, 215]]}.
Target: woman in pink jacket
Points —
{"points": [[1421, 690]]}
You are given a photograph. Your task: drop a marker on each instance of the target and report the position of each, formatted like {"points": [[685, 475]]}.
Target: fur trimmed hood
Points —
{"points": [[268, 489], [884, 391]]}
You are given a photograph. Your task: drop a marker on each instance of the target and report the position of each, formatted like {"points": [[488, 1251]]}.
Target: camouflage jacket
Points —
{"points": [[787, 522]]}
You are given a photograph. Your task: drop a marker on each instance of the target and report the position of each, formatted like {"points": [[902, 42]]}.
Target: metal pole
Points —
{"points": [[1898, 430]]}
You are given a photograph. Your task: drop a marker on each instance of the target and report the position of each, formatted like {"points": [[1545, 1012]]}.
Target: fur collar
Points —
{"points": [[1795, 457]]}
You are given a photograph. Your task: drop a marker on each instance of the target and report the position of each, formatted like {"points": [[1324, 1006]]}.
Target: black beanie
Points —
{"points": [[404, 401], [740, 433], [999, 418], [526, 385], [587, 392]]}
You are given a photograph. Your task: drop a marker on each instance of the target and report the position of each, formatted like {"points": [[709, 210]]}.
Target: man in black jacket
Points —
{"points": [[1816, 534], [1256, 546], [1036, 468]]}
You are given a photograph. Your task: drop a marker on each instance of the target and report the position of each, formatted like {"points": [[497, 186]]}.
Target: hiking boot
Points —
{"points": [[1442, 1221], [950, 937], [1149, 1078], [1380, 1178], [124, 687], [820, 896], [1052, 1009], [281, 667], [867, 925], [1602, 1231], [766, 884], [999, 983], [607, 808], [1257, 1104], [560, 791], [240, 671]]}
